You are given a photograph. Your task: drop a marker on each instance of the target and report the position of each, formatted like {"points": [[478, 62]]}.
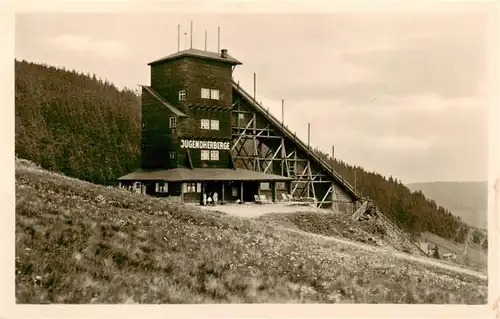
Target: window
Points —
{"points": [[190, 187], [161, 187], [137, 184], [182, 95], [264, 186], [214, 125], [214, 94], [205, 155], [209, 94], [205, 124], [205, 93], [171, 154], [173, 122], [198, 187], [214, 155], [234, 191]]}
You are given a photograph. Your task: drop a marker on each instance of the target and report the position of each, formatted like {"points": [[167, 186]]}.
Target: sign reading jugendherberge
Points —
{"points": [[210, 145]]}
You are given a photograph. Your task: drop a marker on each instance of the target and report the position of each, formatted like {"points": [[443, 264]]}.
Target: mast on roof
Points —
{"points": [[191, 34]]}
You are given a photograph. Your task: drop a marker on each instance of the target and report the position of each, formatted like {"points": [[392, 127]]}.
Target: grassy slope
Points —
{"points": [[467, 200], [77, 242], [341, 225], [369, 232]]}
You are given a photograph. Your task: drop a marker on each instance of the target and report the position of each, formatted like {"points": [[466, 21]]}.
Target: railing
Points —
{"points": [[400, 231], [291, 135]]}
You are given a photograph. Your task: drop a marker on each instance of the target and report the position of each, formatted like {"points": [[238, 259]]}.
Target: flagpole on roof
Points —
{"points": [[191, 34]]}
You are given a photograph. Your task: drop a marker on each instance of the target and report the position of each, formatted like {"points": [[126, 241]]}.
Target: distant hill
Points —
{"points": [[414, 212], [467, 200]]}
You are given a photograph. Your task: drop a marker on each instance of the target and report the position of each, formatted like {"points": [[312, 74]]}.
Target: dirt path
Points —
{"points": [[252, 211], [397, 254]]}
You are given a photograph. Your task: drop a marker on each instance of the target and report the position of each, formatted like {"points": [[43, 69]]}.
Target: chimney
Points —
{"points": [[223, 53]]}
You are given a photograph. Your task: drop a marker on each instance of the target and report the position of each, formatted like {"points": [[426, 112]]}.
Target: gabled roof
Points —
{"points": [[199, 54], [201, 174], [172, 108]]}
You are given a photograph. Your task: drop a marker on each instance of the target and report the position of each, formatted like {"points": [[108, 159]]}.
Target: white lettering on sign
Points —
{"points": [[205, 145]]}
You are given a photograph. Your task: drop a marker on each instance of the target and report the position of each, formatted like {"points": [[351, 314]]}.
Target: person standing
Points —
{"points": [[216, 197], [204, 199]]}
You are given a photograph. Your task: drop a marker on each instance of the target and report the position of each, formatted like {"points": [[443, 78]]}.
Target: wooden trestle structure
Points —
{"points": [[263, 143]]}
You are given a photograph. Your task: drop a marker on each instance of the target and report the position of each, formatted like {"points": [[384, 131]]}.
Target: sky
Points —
{"points": [[401, 93]]}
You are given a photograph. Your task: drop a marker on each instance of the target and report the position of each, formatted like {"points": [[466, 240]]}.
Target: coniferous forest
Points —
{"points": [[86, 128], [76, 124]]}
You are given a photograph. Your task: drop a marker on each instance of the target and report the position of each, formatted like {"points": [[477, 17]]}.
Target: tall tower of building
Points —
{"points": [[186, 111], [187, 132]]}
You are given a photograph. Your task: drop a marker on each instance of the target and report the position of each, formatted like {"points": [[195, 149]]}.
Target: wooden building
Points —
{"points": [[202, 133], [187, 132]]}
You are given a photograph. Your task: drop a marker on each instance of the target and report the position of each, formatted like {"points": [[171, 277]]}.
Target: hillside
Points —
{"points": [[78, 242], [88, 129], [369, 232], [412, 211], [467, 200], [75, 124]]}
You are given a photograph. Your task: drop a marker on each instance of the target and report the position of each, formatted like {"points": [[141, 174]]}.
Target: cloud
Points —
{"points": [[449, 67], [398, 143], [86, 45], [414, 137], [381, 56], [446, 67]]}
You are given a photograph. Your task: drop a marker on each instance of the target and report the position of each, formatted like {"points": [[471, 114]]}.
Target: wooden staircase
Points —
{"points": [[368, 208]]}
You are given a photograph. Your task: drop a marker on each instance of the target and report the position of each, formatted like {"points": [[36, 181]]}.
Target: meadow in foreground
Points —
{"points": [[78, 242]]}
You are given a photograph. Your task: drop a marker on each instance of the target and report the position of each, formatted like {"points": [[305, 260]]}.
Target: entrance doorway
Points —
{"points": [[209, 189], [250, 189]]}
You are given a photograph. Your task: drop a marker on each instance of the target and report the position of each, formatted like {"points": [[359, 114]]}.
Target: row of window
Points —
{"points": [[209, 124], [161, 187], [206, 124], [209, 94], [206, 155], [191, 187], [209, 155], [187, 187], [205, 94], [196, 187]]}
